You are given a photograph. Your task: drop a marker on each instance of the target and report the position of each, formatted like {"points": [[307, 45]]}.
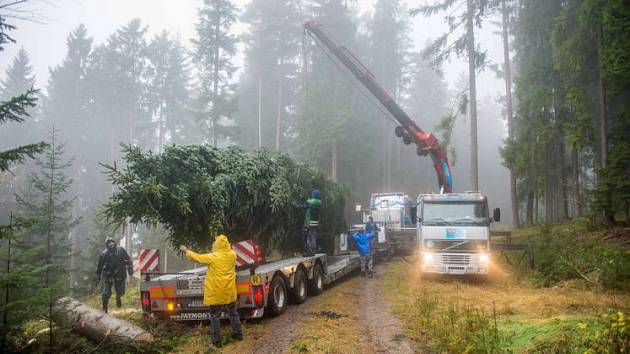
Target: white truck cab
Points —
{"points": [[454, 233]]}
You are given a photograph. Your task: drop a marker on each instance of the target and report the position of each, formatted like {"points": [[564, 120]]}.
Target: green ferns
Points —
{"points": [[196, 192]]}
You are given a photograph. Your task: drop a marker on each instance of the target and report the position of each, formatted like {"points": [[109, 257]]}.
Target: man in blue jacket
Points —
{"points": [[363, 239]]}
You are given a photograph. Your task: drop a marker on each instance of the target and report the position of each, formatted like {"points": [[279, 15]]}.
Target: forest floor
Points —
{"points": [[398, 312], [401, 310]]}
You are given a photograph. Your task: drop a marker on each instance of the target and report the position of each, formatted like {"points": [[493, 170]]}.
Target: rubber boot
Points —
{"points": [[118, 302], [105, 302]]}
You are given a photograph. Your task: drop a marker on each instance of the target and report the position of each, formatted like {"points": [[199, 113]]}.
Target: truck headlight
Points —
{"points": [[484, 258], [427, 257]]}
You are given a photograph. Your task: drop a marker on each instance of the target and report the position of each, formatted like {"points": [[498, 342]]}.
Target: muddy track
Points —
{"points": [[383, 331]]}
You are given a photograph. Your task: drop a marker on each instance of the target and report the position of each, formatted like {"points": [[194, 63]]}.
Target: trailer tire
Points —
{"points": [[300, 286], [278, 296], [316, 285]]}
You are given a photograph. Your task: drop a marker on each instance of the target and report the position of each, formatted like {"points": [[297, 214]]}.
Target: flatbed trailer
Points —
{"points": [[261, 289]]}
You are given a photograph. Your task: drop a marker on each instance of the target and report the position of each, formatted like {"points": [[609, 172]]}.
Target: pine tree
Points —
{"points": [[48, 204], [123, 75], [18, 98], [214, 49], [169, 90], [269, 88], [461, 15], [388, 32]]}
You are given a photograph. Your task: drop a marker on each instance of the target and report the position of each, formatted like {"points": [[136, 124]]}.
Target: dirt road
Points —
{"points": [[351, 316]]}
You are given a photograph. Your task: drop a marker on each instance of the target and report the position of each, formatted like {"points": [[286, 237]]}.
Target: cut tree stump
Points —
{"points": [[97, 325]]}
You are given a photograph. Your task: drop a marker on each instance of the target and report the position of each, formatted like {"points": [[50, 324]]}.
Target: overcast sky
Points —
{"points": [[45, 42]]}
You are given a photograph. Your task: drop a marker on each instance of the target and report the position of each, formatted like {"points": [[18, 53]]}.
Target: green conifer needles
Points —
{"points": [[197, 192]]}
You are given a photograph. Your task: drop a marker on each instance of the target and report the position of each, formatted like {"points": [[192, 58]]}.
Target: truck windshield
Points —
{"points": [[388, 201], [454, 213]]}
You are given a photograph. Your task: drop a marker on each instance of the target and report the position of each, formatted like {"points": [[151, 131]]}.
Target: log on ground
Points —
{"points": [[97, 325]]}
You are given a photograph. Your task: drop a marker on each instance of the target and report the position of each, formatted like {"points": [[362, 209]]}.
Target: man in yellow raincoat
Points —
{"points": [[220, 286]]}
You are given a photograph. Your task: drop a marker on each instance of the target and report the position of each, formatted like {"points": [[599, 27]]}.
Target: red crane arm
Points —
{"points": [[426, 143]]}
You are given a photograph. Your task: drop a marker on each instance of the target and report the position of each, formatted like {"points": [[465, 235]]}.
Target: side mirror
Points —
{"points": [[496, 215]]}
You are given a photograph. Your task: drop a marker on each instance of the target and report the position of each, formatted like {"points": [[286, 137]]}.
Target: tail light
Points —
{"points": [[259, 256], [146, 301], [259, 298]]}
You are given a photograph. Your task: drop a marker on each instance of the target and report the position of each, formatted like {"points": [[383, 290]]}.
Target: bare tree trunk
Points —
{"points": [[215, 83], [603, 118], [7, 289], [388, 160], [561, 193], [334, 160], [577, 205], [161, 130], [474, 172], [529, 208], [259, 111], [49, 234], [536, 208], [279, 113], [509, 110], [384, 156]]}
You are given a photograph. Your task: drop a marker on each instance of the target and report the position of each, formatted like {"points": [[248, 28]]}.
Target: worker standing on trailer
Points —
{"points": [[311, 222], [113, 265], [363, 239], [372, 227], [220, 286]]}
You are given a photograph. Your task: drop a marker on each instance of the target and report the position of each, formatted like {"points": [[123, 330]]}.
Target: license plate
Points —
{"points": [[196, 304], [456, 271]]}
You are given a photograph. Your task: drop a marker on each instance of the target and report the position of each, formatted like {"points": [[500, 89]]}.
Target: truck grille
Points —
{"points": [[455, 259], [456, 245]]}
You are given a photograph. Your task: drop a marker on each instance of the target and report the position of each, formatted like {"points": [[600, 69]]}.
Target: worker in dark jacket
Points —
{"points": [[372, 227], [311, 222], [363, 239], [113, 265]]}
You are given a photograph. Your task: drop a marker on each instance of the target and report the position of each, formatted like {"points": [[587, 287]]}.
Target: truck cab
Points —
{"points": [[454, 233]]}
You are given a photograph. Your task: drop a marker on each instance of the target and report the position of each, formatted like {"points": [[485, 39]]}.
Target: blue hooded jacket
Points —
{"points": [[363, 238]]}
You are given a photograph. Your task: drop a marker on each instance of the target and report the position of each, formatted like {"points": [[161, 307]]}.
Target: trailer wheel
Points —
{"points": [[277, 296], [299, 290], [316, 285]]}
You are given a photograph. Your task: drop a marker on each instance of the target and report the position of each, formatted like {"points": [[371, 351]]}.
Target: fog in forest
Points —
{"points": [[141, 73]]}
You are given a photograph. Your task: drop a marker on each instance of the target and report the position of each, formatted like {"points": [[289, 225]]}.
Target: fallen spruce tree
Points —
{"points": [[196, 192]]}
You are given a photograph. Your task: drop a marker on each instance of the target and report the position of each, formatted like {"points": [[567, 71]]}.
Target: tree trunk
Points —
{"points": [[529, 208], [7, 293], [215, 83], [536, 208], [603, 117], [259, 111], [279, 113], [509, 110], [334, 160], [474, 173], [388, 161], [577, 205], [561, 193], [96, 325]]}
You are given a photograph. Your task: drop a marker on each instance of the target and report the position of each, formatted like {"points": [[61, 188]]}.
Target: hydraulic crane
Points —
{"points": [[408, 130]]}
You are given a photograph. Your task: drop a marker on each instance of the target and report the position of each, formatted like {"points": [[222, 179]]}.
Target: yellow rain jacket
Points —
{"points": [[220, 286]]}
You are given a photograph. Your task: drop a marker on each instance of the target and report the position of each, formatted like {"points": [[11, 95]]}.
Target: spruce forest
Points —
{"points": [[223, 117]]}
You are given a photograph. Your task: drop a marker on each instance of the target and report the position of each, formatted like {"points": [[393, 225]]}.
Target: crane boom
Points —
{"points": [[426, 143]]}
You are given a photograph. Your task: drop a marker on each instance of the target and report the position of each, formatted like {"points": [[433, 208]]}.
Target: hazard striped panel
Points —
{"points": [[149, 260], [245, 252]]}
